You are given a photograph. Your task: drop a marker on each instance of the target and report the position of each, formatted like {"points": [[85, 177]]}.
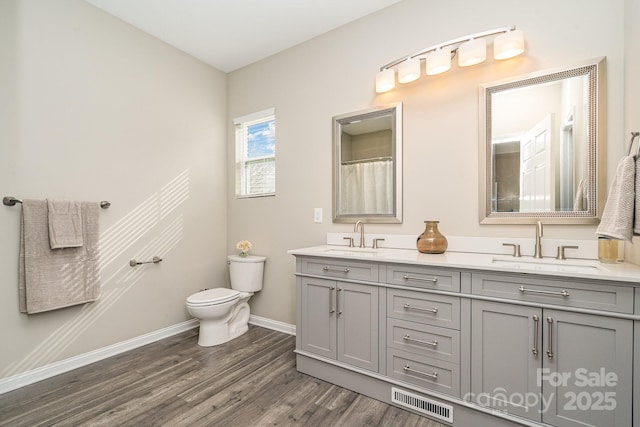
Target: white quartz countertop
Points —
{"points": [[579, 268]]}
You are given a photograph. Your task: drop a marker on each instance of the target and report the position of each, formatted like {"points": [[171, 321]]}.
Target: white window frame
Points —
{"points": [[241, 124]]}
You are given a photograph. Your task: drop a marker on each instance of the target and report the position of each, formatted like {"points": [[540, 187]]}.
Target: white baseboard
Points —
{"points": [[42, 373], [62, 366], [287, 328]]}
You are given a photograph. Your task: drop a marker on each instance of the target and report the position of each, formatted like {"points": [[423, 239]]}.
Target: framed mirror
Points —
{"points": [[541, 147], [367, 166]]}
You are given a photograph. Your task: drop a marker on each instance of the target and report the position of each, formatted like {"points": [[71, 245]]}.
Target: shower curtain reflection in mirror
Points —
{"points": [[367, 187]]}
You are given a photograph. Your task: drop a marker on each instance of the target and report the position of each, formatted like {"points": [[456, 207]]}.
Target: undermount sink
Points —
{"points": [[353, 251], [567, 266]]}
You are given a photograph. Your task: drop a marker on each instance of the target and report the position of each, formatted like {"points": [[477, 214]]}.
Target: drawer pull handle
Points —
{"points": [[536, 331], [407, 368], [419, 279], [345, 271], [433, 343], [563, 293], [430, 310]]}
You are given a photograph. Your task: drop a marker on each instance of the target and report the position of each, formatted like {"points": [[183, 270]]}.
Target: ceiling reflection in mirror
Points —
{"points": [[539, 147]]}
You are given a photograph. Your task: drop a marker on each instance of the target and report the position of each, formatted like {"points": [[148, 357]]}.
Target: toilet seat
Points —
{"points": [[213, 297]]}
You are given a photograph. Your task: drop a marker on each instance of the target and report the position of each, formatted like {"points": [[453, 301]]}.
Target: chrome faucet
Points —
{"points": [[538, 250], [355, 229]]}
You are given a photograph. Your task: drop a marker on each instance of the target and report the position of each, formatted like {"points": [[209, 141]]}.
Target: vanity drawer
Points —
{"points": [[424, 340], [357, 270], [429, 309], [424, 372], [423, 277], [569, 293]]}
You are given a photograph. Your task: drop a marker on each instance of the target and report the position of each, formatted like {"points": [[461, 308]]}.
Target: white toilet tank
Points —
{"points": [[246, 272]]}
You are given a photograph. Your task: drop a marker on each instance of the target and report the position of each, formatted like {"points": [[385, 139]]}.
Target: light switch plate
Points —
{"points": [[317, 215]]}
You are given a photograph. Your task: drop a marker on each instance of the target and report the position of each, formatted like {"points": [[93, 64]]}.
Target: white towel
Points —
{"points": [[617, 218], [51, 279], [65, 224], [636, 224]]}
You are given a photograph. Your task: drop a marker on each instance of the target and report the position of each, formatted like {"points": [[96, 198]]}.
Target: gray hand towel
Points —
{"points": [[65, 224], [51, 279], [617, 218]]}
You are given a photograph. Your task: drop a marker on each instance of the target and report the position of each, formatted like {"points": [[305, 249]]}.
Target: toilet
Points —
{"points": [[223, 312]]}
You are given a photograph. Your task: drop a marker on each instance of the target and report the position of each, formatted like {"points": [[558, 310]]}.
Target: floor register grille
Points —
{"points": [[422, 404]]}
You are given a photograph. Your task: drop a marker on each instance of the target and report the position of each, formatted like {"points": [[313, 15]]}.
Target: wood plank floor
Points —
{"points": [[250, 381]]}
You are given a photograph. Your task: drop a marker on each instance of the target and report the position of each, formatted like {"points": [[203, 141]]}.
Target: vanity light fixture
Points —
{"points": [[471, 50]]}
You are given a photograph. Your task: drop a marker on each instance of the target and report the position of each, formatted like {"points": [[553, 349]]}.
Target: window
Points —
{"points": [[256, 154]]}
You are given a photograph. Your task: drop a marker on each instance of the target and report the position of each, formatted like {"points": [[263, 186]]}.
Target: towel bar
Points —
{"points": [[11, 201], [634, 135]]}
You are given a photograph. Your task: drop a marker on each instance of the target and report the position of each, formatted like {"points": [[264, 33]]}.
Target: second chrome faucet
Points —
{"points": [[538, 248], [355, 229]]}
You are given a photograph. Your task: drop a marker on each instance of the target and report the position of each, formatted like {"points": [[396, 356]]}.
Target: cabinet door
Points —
{"points": [[504, 339], [318, 317], [357, 315], [586, 381]]}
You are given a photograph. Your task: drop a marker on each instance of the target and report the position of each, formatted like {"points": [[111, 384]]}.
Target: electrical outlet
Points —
{"points": [[317, 215]]}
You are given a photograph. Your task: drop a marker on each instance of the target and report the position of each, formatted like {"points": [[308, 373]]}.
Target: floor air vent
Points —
{"points": [[422, 404]]}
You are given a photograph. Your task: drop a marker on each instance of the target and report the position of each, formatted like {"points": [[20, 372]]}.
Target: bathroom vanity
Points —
{"points": [[474, 339]]}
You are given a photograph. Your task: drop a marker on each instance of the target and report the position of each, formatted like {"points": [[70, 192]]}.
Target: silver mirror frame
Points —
{"points": [[594, 69], [395, 111]]}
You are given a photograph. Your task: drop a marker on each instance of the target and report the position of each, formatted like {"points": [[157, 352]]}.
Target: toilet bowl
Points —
{"points": [[224, 313]]}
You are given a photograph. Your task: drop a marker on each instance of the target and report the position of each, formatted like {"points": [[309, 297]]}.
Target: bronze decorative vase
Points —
{"points": [[431, 241]]}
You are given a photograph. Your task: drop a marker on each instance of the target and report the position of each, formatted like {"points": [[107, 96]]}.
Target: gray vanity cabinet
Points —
{"points": [[503, 363], [595, 354], [558, 367], [340, 321], [493, 347]]}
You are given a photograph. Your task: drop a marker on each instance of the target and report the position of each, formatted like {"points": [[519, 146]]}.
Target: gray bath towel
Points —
{"points": [[65, 224], [617, 218], [51, 279]]}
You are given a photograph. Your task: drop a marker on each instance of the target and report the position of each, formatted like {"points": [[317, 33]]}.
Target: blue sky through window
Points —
{"points": [[261, 139]]}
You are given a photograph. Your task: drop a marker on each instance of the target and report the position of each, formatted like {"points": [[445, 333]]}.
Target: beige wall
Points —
{"points": [[93, 109], [334, 74]]}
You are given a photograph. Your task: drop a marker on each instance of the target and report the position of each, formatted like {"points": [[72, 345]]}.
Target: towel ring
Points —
{"points": [[634, 135]]}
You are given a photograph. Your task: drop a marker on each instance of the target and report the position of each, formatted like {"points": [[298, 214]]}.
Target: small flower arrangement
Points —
{"points": [[244, 246]]}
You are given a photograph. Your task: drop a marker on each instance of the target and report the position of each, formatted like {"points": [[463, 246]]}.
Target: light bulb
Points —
{"points": [[472, 52], [438, 61], [385, 80], [409, 70], [508, 45]]}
